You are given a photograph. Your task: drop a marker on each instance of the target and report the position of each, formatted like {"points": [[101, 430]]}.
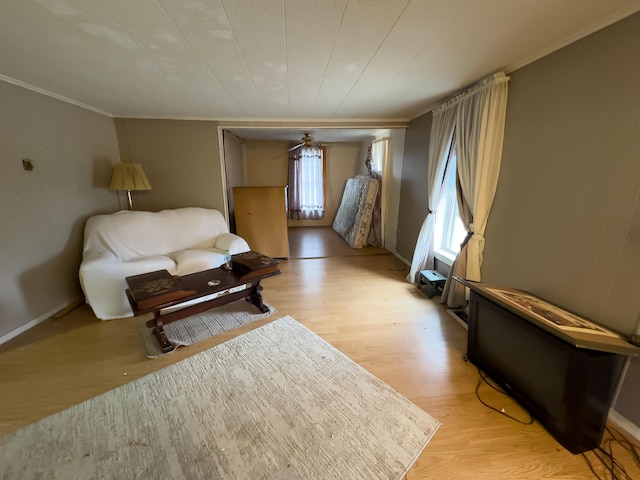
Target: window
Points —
{"points": [[449, 229], [378, 154], [306, 184], [311, 181]]}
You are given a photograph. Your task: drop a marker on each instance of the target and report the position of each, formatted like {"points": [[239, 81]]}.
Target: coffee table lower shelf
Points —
{"points": [[203, 284]]}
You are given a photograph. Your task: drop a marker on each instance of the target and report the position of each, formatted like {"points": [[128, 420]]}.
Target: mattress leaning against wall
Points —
{"points": [[353, 219]]}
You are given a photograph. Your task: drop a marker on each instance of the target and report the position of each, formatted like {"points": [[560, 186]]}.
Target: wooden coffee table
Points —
{"points": [[156, 291]]}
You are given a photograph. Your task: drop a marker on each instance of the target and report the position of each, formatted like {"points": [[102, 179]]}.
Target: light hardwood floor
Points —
{"points": [[363, 306], [321, 242]]}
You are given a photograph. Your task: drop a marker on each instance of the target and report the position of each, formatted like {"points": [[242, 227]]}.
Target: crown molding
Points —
{"points": [[47, 93]]}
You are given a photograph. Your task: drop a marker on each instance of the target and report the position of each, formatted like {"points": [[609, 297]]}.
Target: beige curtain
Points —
{"points": [[375, 230], [440, 139], [480, 120]]}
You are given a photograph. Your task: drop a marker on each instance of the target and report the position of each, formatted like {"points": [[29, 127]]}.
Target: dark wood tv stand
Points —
{"points": [[564, 375]]}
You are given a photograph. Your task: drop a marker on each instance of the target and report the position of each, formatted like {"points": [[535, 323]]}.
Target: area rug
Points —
{"points": [[205, 325], [277, 402]]}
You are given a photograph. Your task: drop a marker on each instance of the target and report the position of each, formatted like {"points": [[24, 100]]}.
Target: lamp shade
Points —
{"points": [[129, 176]]}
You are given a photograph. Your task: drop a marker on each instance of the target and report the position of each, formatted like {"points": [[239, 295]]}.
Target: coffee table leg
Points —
{"points": [[255, 297], [158, 331]]}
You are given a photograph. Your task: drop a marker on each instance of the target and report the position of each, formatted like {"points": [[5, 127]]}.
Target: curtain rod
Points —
{"points": [[479, 85]]}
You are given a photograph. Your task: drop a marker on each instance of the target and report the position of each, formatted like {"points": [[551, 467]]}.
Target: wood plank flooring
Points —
{"points": [[363, 306], [322, 242]]}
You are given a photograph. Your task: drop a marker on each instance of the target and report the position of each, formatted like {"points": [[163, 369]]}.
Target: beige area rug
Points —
{"points": [[277, 402], [205, 325]]}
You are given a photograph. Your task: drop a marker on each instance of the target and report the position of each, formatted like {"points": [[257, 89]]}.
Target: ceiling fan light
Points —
{"points": [[306, 142]]}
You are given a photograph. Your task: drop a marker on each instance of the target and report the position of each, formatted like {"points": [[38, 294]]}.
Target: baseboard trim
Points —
{"points": [[66, 307], [625, 425], [456, 313], [400, 257]]}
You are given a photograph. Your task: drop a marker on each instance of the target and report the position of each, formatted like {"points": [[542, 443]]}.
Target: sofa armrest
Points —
{"points": [[102, 278], [231, 242]]}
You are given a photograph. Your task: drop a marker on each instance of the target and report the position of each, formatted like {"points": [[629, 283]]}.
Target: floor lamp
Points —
{"points": [[128, 177]]}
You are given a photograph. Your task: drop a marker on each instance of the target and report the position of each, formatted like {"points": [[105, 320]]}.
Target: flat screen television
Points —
{"points": [[568, 389]]}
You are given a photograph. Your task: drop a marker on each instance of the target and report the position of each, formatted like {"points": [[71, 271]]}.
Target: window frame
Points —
{"points": [[301, 211], [447, 215]]}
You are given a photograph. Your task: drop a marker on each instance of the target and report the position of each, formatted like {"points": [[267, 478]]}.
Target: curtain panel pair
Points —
{"points": [[477, 116], [306, 184]]}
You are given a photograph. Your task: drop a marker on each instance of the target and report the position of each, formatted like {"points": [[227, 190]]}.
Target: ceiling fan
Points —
{"points": [[306, 141]]}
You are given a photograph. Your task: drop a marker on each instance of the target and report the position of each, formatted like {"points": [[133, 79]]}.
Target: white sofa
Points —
{"points": [[182, 241]]}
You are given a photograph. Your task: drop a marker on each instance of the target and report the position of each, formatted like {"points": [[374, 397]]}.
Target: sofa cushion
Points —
{"points": [[191, 261]]}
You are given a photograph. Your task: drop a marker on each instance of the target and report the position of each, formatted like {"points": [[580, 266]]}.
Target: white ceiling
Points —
{"points": [[315, 60]]}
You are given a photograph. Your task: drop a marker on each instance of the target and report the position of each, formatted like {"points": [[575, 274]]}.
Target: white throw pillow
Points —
{"points": [[191, 261]]}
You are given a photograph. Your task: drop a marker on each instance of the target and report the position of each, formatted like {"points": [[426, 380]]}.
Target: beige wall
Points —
{"points": [[565, 224], [234, 170], [344, 160], [266, 164], [413, 198], [181, 159], [393, 180], [566, 220], [43, 211]]}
